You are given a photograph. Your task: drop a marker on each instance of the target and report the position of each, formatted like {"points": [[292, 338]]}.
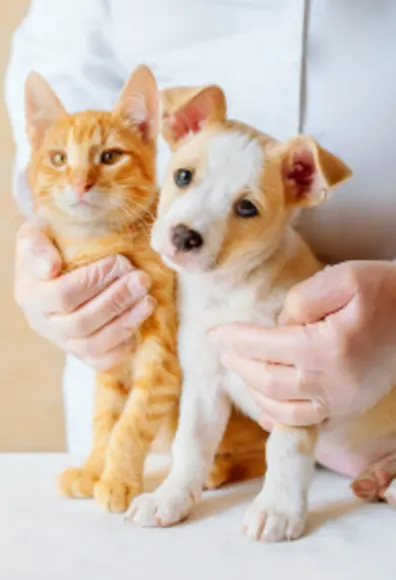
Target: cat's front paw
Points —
{"points": [[274, 521], [78, 482], [115, 494], [161, 508]]}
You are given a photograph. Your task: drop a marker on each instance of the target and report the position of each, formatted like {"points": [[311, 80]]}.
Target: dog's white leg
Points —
{"points": [[204, 415], [280, 510]]}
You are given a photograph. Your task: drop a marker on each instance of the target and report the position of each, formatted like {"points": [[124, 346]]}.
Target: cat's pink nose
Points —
{"points": [[82, 186]]}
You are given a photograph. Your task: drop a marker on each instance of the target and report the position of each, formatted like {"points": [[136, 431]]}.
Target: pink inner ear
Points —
{"points": [[302, 172], [144, 129], [184, 122]]}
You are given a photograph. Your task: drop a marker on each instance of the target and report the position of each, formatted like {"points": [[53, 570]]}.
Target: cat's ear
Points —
{"points": [[42, 107], [309, 171], [138, 104], [187, 110]]}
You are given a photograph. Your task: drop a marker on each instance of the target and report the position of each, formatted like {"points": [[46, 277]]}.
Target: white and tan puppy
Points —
{"points": [[227, 203]]}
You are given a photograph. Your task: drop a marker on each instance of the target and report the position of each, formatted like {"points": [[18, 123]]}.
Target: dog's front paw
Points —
{"points": [[161, 508], [273, 521], [115, 494]]}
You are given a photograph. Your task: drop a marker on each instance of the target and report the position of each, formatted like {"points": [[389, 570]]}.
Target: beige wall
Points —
{"points": [[30, 370]]}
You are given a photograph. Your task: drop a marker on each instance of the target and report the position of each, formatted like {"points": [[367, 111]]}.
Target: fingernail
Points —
{"points": [[44, 266], [139, 284], [284, 319], [266, 423], [320, 409]]}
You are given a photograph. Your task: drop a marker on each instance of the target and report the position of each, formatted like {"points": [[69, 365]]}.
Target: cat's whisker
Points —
{"points": [[144, 220]]}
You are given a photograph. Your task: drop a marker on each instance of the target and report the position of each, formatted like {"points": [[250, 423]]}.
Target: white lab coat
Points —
{"points": [[324, 67]]}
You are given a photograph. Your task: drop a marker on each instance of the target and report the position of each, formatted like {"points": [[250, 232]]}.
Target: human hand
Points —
{"points": [[91, 312], [334, 354]]}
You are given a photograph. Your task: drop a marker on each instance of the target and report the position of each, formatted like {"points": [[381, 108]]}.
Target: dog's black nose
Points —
{"points": [[185, 240]]}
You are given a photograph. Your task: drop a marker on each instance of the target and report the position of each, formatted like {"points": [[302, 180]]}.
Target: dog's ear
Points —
{"points": [[186, 110], [309, 172]]}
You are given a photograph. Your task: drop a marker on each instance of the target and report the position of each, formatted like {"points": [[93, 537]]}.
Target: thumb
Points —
{"points": [[35, 253], [326, 292]]}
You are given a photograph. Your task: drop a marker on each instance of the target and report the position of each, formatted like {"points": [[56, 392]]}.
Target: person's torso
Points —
{"points": [[324, 67]]}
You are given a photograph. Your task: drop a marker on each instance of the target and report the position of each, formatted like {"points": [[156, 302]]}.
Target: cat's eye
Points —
{"points": [[58, 158], [110, 156], [183, 177], [244, 208]]}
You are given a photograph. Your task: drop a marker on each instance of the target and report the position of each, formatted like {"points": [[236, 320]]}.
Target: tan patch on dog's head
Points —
{"points": [[233, 185], [185, 111]]}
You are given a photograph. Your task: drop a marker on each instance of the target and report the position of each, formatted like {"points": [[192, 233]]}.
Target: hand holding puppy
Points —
{"points": [[334, 353]]}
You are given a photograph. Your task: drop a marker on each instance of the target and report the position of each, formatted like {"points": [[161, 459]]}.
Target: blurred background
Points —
{"points": [[31, 417]]}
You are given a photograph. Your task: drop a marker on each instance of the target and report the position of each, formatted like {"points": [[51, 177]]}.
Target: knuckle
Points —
{"points": [[350, 275], [295, 299], [309, 334], [81, 349], [61, 298], [269, 383], [76, 327], [97, 364], [120, 266], [291, 415], [301, 381], [29, 244], [91, 348], [92, 275], [294, 415], [270, 389], [101, 363], [24, 233], [119, 300], [342, 345], [73, 347], [294, 304], [107, 270]]}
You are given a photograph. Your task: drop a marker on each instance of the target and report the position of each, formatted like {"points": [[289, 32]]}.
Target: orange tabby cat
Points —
{"points": [[93, 181], [92, 176]]}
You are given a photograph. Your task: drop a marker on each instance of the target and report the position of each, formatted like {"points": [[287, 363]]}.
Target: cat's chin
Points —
{"points": [[77, 214]]}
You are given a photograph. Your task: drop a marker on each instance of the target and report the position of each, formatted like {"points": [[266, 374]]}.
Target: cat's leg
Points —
{"points": [[154, 395], [378, 482], [280, 510], [241, 454], [110, 399], [204, 413]]}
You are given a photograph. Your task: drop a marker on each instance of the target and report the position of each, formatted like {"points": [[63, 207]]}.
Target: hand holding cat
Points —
{"points": [[334, 353], [91, 312]]}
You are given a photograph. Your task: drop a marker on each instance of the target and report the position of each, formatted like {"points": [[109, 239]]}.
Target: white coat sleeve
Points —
{"points": [[69, 43]]}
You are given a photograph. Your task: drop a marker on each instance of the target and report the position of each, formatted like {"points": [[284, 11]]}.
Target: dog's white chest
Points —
{"points": [[204, 306]]}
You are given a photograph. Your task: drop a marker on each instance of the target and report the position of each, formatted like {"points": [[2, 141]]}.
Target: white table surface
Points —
{"points": [[46, 537]]}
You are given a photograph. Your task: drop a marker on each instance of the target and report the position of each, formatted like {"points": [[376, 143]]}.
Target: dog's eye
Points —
{"points": [[245, 208], [110, 156], [58, 158], [183, 177]]}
